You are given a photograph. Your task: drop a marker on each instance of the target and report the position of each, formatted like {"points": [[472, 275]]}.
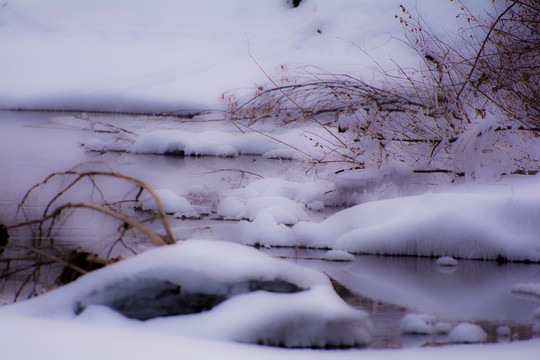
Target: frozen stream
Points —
{"points": [[33, 145]]}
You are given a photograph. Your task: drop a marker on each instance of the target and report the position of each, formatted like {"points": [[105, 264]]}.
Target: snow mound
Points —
{"points": [[416, 324], [462, 225], [283, 210], [171, 201], [210, 289], [303, 192], [337, 255], [184, 143], [222, 143], [446, 261], [265, 230], [466, 333]]}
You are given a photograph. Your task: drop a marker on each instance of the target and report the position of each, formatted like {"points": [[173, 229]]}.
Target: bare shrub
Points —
{"points": [[471, 110], [65, 196]]}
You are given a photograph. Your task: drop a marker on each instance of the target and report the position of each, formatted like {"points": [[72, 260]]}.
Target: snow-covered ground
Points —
{"points": [[180, 56], [164, 56]]}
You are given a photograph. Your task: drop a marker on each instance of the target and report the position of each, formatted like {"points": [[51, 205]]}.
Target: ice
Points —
{"points": [[209, 289], [467, 333]]}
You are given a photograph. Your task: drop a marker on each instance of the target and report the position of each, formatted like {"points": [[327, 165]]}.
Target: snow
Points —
{"points": [[173, 204], [43, 338], [416, 324], [298, 309], [462, 225], [167, 56], [265, 230], [337, 255], [467, 333], [179, 57]]}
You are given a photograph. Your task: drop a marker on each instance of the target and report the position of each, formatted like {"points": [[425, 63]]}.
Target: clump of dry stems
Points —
{"points": [[68, 194]]}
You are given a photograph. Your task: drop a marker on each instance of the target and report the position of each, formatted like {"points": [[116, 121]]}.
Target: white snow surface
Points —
{"points": [[27, 338], [180, 56], [416, 324], [172, 203], [229, 144], [462, 225], [467, 333], [315, 316]]}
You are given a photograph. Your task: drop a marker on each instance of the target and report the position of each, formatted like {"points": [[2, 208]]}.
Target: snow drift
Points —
{"points": [[461, 225], [209, 289]]}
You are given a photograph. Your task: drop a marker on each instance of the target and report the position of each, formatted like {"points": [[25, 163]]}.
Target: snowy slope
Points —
{"points": [[167, 56]]}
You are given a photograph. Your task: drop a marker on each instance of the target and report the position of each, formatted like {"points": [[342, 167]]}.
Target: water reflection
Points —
{"points": [[390, 287]]}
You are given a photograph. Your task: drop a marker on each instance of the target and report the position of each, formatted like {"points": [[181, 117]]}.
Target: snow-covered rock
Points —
{"points": [[415, 324], [171, 201], [466, 333], [265, 230], [209, 289], [446, 261], [337, 255], [283, 210]]}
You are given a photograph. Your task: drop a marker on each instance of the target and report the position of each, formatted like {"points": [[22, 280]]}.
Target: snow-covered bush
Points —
{"points": [[471, 110]]}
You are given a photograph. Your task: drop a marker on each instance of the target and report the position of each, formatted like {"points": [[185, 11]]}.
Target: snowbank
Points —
{"points": [[462, 225], [179, 56], [209, 289]]}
